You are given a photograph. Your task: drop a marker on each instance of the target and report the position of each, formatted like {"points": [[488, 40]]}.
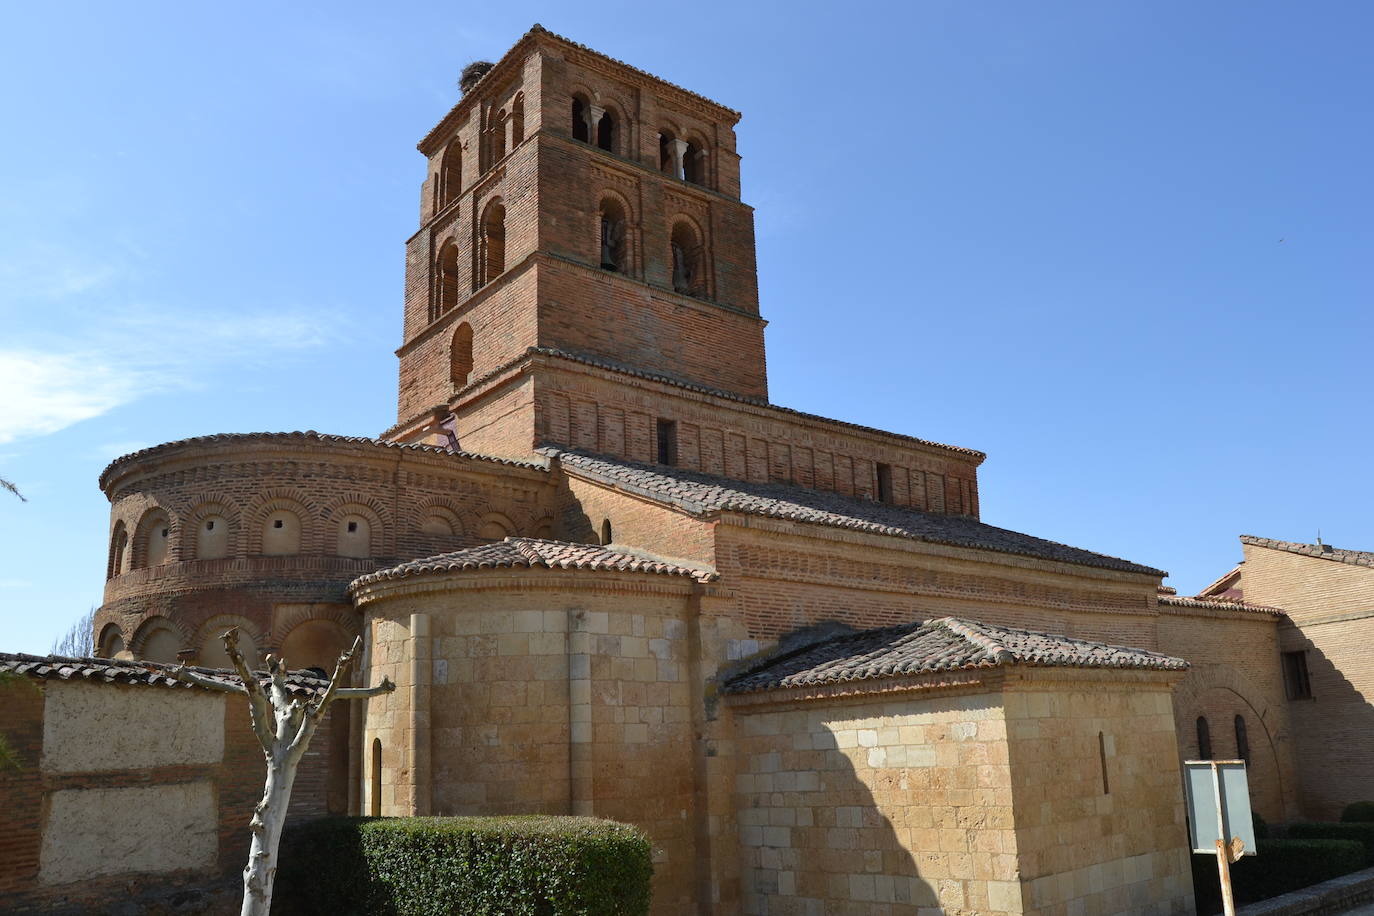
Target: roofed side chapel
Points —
{"points": [[613, 578]]}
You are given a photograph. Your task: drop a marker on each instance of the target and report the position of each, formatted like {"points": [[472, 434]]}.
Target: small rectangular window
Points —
{"points": [[667, 442], [884, 483], [1295, 680]]}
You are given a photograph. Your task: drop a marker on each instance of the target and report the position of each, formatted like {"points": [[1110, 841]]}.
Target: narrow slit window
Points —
{"points": [[667, 442], [605, 531], [1242, 740], [1102, 756], [884, 482], [1296, 682], [375, 794], [1204, 739]]}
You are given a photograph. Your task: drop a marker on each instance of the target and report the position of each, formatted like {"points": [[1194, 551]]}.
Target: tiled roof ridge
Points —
{"points": [[935, 646], [975, 634], [127, 671], [1219, 604], [534, 552], [739, 499], [612, 366], [538, 29], [310, 435], [1321, 551]]}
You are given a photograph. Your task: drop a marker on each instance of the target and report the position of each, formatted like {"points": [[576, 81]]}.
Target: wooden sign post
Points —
{"points": [[1219, 816]]}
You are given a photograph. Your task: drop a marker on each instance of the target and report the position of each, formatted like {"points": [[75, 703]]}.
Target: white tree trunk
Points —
{"points": [[284, 725]]}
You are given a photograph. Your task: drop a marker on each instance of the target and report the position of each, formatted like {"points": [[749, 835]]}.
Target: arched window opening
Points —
{"points": [[451, 174], [687, 257], [605, 132], [212, 538], [374, 795], [446, 280], [1242, 740], [605, 531], [666, 153], [613, 236], [1204, 739], [694, 164], [355, 536], [493, 261], [161, 645], [517, 121], [497, 134], [119, 543], [151, 540], [460, 355], [281, 535], [579, 119]]}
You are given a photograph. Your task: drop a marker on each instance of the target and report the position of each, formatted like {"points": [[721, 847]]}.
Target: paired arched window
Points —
{"points": [[689, 272], [460, 355], [1242, 740], [450, 175], [613, 247], [281, 534], [517, 120], [580, 130], [119, 543], [492, 254], [667, 154], [496, 136], [446, 293], [694, 164], [605, 132], [1204, 739]]}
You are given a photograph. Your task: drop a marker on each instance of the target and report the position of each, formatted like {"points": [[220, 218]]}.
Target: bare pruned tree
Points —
{"points": [[79, 640], [284, 725]]}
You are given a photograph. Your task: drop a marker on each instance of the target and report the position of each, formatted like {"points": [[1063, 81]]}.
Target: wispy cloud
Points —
{"points": [[49, 384]]}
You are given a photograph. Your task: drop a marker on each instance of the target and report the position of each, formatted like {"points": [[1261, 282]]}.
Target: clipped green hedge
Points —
{"points": [[446, 866], [1358, 813], [1358, 831], [1281, 866]]}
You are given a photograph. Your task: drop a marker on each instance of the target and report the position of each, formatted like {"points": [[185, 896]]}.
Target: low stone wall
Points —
{"points": [[1326, 899], [129, 790]]}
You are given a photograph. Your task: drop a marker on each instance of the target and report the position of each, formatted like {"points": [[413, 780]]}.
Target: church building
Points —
{"points": [[611, 577]]}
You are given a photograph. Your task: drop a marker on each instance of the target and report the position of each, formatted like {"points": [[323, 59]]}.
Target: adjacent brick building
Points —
{"points": [[611, 577]]}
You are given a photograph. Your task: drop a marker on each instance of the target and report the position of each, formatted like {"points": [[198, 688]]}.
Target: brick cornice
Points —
{"points": [[527, 579]]}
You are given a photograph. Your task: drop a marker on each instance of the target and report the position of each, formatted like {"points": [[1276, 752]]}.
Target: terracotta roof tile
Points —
{"points": [[1218, 604], [151, 674], [307, 436], [1321, 551], [705, 494], [946, 644], [534, 552]]}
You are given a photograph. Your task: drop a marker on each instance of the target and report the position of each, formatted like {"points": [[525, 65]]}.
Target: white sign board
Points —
{"points": [[1218, 805]]}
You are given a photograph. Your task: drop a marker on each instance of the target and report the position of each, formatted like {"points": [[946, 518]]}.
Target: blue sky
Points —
{"points": [[1124, 248]]}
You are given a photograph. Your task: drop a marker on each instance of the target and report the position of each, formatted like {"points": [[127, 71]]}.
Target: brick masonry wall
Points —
{"points": [[31, 877], [400, 495], [614, 414], [541, 691], [1235, 672], [1328, 604]]}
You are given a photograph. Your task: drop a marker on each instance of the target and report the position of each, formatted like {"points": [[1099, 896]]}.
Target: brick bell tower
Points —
{"points": [[578, 216]]}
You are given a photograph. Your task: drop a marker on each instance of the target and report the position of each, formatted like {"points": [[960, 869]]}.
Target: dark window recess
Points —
{"points": [[1102, 756], [164, 532], [1295, 680], [1204, 739], [276, 523], [210, 525], [884, 483], [352, 527], [1242, 741], [667, 442], [579, 120], [605, 531]]}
